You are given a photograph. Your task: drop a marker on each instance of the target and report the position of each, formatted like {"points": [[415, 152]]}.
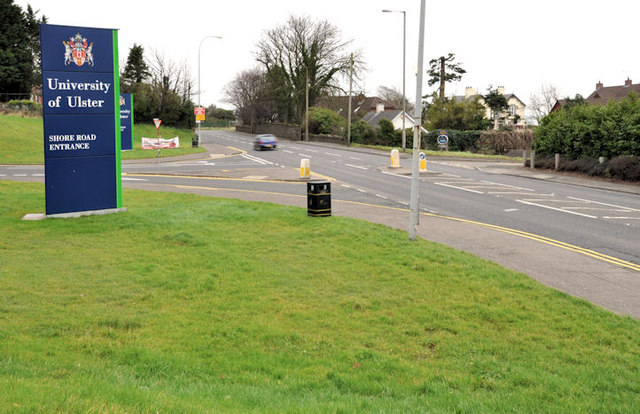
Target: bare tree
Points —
{"points": [[248, 94], [171, 76], [304, 52], [173, 85], [541, 102], [389, 93]]}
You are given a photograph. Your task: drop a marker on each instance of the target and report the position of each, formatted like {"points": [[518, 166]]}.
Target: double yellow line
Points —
{"points": [[546, 240]]}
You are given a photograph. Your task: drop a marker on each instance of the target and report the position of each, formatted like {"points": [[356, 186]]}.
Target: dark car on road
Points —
{"points": [[266, 141]]}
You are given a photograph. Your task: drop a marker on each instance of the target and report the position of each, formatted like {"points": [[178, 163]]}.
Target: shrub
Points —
{"points": [[361, 132], [458, 140], [325, 121], [501, 142], [625, 167], [24, 105], [592, 131]]}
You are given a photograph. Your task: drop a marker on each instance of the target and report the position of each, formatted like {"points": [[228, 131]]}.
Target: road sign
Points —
{"points": [[157, 122], [443, 140], [199, 112], [423, 156]]}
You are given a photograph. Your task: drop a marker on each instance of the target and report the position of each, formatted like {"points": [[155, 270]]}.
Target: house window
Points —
{"points": [[513, 110]]}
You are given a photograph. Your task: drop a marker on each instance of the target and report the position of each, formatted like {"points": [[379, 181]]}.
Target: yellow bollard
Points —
{"points": [[423, 162], [395, 159], [305, 170]]}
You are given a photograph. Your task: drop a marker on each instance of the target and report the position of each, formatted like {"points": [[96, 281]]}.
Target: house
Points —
{"points": [[393, 115], [515, 113], [603, 94], [360, 104]]}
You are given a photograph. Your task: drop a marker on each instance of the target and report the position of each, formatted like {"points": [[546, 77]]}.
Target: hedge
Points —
{"points": [[591, 131]]}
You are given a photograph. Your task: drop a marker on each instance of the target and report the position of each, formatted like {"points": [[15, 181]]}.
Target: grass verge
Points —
{"points": [[22, 141], [195, 304]]}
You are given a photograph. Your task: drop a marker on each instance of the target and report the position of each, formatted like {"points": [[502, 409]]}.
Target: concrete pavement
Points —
{"points": [[570, 269]]}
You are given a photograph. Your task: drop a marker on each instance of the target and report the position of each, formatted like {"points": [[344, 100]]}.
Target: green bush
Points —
{"points": [[589, 131], [325, 121], [458, 140], [361, 132], [24, 105]]}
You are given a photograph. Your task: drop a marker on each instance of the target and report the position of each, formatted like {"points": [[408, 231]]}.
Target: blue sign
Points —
{"points": [[81, 118], [126, 121]]}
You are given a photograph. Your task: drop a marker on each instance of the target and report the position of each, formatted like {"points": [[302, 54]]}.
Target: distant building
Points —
{"points": [[515, 112], [360, 105], [393, 115], [603, 94]]}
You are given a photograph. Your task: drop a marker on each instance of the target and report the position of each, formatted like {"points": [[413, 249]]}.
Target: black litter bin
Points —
{"points": [[319, 198]]}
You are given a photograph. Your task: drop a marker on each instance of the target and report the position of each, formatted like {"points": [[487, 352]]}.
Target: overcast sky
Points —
{"points": [[521, 45]]}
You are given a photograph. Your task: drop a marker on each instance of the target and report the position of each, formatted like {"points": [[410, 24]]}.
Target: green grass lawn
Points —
{"points": [[193, 304], [22, 141]]}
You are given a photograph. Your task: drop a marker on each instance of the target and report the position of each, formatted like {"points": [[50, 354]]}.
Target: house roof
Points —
{"points": [[374, 118], [360, 104], [604, 94]]}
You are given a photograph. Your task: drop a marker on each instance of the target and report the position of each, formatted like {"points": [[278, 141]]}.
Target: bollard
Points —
{"points": [[533, 160], [557, 160], [524, 158], [305, 170], [395, 159], [423, 162]]}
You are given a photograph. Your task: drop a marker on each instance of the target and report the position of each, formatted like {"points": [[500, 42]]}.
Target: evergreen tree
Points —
{"points": [[443, 70], [19, 51], [497, 103], [136, 70], [451, 114]]}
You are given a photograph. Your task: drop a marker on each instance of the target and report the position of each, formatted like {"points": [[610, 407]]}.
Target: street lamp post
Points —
{"points": [[404, 60], [199, 84]]}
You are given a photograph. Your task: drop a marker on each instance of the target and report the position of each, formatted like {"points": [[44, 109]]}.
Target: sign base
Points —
{"points": [[75, 214]]}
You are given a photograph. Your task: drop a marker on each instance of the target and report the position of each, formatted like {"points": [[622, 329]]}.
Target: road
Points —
{"points": [[607, 222]]}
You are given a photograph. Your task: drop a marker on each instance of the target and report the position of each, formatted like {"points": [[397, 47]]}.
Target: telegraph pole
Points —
{"points": [[349, 105], [414, 217], [306, 116]]}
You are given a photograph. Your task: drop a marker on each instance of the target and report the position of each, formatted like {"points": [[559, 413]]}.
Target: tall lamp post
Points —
{"points": [[404, 54], [199, 84]]}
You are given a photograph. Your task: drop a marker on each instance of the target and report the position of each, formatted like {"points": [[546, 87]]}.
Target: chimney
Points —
{"points": [[468, 92], [379, 107], [598, 85], [627, 82], [501, 90]]}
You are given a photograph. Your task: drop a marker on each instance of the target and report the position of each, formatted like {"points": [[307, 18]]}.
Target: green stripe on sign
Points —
{"points": [[116, 110]]}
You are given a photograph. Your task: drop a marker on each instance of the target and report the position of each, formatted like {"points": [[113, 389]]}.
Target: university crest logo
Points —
{"points": [[77, 50]]}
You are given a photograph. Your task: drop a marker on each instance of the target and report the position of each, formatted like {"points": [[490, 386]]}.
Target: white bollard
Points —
{"points": [[395, 159], [423, 162], [305, 170]]}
